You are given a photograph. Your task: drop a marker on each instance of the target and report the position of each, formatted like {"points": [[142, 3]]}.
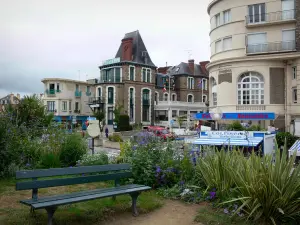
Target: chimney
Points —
{"points": [[203, 66], [191, 66], [18, 96], [11, 99], [127, 44]]}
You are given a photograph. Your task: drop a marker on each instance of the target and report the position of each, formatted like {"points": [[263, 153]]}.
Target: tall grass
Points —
{"points": [[264, 189]]}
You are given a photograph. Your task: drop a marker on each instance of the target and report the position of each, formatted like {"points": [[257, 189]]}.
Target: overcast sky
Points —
{"points": [[58, 38]]}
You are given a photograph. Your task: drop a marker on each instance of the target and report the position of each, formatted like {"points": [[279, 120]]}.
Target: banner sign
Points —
{"points": [[227, 134], [111, 61], [237, 116]]}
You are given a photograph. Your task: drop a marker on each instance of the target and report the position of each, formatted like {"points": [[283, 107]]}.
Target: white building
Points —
{"points": [[254, 58]]}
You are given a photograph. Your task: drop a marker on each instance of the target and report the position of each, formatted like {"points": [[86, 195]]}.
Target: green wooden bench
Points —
{"points": [[87, 174]]}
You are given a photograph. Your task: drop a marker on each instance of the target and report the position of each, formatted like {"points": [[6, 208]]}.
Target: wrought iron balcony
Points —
{"points": [[51, 92], [76, 110], [272, 17], [96, 100], [271, 47], [77, 94]]}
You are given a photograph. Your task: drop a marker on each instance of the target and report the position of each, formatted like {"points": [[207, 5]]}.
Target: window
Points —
{"points": [[118, 75], [51, 106], [110, 95], [257, 13], [131, 73], [146, 107], [70, 105], [52, 86], [227, 43], [294, 92], [146, 75], [218, 46], [76, 106], [204, 98], [190, 84], [146, 97], [190, 98], [227, 16], [294, 71], [204, 84], [288, 39], [131, 109], [173, 97], [166, 97], [111, 75], [77, 87], [88, 89], [99, 92], [251, 89], [64, 106], [288, 9], [257, 43], [57, 87], [156, 98], [218, 20], [215, 99]]}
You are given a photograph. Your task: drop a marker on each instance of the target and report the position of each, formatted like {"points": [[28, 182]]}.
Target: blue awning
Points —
{"points": [[229, 141], [295, 147]]}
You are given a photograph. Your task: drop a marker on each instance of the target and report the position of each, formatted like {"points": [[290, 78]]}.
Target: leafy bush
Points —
{"points": [[72, 149], [49, 160], [124, 123], [115, 138], [290, 139], [96, 159], [236, 126]]}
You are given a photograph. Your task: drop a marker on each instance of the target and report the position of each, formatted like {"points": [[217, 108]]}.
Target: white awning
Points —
{"points": [[229, 141]]}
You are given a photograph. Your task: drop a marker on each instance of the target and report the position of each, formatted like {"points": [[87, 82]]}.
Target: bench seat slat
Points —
{"points": [[79, 194], [127, 189], [26, 185], [25, 174]]}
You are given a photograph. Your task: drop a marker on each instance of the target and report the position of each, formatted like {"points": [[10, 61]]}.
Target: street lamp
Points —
{"points": [[216, 114]]}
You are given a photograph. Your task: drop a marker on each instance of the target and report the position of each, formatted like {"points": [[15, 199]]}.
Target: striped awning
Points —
{"points": [[295, 147], [229, 141]]}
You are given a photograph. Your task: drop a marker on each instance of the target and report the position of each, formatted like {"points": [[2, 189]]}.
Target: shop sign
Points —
{"points": [[238, 116], [111, 61], [227, 134]]}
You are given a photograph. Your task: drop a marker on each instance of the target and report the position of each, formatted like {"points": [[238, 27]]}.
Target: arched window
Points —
{"points": [[99, 92], [214, 91], [190, 98], [156, 97], [110, 95], [174, 97], [166, 97], [251, 89]]}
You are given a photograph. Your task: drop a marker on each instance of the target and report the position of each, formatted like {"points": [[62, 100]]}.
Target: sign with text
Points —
{"points": [[111, 61], [238, 116], [227, 134]]}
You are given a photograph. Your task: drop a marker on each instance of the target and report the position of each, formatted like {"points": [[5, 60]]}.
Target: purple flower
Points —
{"points": [[214, 189], [181, 183], [212, 195], [158, 169], [133, 148], [226, 211]]}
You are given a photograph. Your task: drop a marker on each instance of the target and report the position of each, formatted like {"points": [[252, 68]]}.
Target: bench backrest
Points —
{"points": [[88, 175]]}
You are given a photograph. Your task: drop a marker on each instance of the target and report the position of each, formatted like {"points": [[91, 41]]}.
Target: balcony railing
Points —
{"points": [[77, 93], [88, 93], [96, 100], [51, 91], [76, 110], [271, 47], [250, 107], [270, 17]]}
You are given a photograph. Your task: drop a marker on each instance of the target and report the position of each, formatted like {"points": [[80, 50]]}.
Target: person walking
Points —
{"points": [[106, 132]]}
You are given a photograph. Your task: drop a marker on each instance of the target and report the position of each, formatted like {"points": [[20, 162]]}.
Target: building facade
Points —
{"points": [[67, 99], [255, 58], [10, 99], [131, 80]]}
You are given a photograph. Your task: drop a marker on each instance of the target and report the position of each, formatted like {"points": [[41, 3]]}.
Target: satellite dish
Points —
{"points": [[93, 128]]}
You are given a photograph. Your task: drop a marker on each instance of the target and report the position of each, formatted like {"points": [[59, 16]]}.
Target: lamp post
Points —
{"points": [[216, 114], [169, 100]]}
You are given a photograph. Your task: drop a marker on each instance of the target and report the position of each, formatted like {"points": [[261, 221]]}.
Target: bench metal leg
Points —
{"points": [[50, 212], [134, 197]]}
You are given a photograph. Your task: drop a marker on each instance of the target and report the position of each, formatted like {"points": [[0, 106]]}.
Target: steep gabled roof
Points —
{"points": [[184, 69], [138, 49]]}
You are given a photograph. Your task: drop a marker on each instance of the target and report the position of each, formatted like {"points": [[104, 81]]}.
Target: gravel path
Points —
{"points": [[172, 213]]}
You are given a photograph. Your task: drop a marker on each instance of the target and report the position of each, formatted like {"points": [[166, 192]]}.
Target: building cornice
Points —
{"points": [[63, 80], [281, 56], [127, 63], [211, 5]]}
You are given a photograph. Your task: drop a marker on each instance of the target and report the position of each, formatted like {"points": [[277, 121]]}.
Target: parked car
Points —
{"points": [[161, 132]]}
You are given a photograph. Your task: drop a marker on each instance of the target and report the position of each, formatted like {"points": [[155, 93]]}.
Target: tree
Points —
{"points": [[117, 112], [180, 120], [100, 116]]}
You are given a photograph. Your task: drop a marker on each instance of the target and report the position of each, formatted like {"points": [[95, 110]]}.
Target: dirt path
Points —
{"points": [[172, 213]]}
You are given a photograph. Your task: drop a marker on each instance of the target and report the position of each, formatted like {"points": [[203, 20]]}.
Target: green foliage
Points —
{"points": [[49, 160], [124, 123], [117, 112], [115, 137], [290, 139], [100, 116], [180, 120], [72, 149], [236, 126], [96, 159]]}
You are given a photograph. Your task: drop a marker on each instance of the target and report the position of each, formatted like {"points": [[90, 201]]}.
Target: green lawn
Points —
{"points": [[12, 212]]}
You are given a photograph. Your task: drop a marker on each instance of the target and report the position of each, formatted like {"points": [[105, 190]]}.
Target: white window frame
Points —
{"points": [[190, 83], [215, 98], [294, 98], [187, 98], [260, 13], [175, 99], [166, 96], [229, 16], [133, 73], [294, 72], [216, 49], [223, 47], [70, 105], [64, 103], [218, 19], [150, 78], [204, 96]]}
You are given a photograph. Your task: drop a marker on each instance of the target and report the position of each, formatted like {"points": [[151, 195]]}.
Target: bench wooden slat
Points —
{"points": [[26, 185], [23, 174], [88, 197], [79, 194]]}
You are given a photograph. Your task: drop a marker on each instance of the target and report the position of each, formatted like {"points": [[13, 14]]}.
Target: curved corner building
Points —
{"points": [[255, 60]]}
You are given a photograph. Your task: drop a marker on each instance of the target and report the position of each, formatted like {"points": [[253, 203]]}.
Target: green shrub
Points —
{"points": [[96, 159], [236, 126], [72, 149], [115, 138], [290, 139], [124, 123], [49, 160]]}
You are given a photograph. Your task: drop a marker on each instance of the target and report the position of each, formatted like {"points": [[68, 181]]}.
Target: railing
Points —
{"points": [[96, 100], [251, 107], [181, 103], [88, 93], [51, 91], [76, 110], [270, 17], [271, 47], [77, 93]]}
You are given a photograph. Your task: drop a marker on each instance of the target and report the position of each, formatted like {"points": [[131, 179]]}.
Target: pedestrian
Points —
{"points": [[106, 132]]}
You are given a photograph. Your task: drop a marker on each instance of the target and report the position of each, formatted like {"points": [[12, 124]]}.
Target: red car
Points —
{"points": [[161, 132]]}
